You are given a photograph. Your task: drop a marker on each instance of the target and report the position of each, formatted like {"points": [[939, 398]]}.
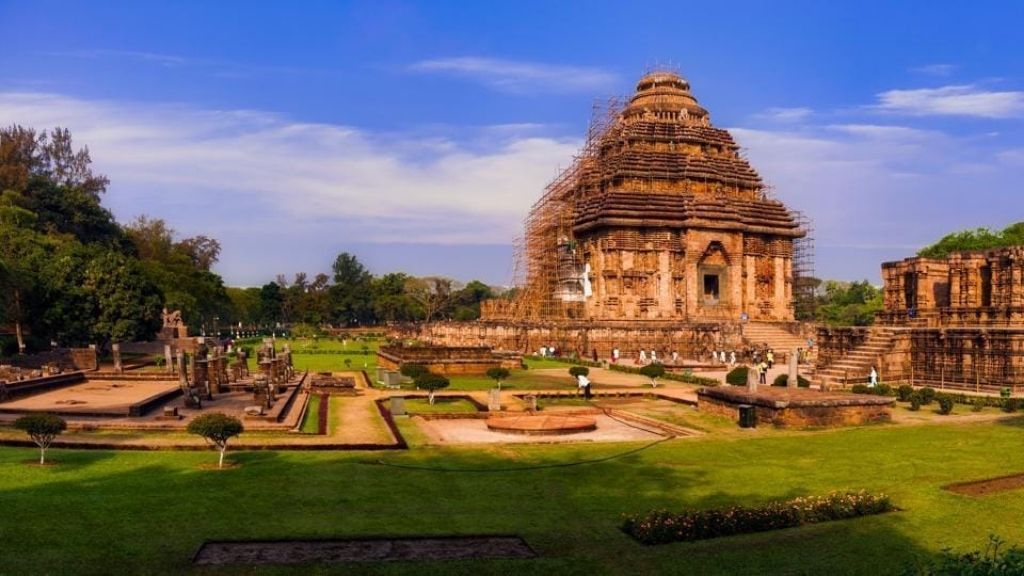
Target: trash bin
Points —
{"points": [[748, 416]]}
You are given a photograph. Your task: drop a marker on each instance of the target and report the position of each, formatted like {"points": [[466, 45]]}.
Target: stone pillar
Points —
{"points": [[201, 368], [182, 371], [494, 400], [115, 351], [752, 379], [793, 379], [168, 358]]}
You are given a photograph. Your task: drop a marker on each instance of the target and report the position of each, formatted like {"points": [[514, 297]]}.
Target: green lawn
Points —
{"points": [[442, 405], [107, 512], [305, 358], [311, 419]]}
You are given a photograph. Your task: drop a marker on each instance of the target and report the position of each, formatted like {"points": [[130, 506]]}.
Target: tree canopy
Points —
{"points": [[977, 239]]}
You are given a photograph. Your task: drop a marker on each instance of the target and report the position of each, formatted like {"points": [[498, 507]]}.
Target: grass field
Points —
{"points": [[147, 512], [311, 419], [305, 354], [441, 405]]}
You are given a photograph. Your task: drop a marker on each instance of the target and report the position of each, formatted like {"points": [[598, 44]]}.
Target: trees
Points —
{"points": [[849, 303], [217, 429], [413, 371], [431, 382], [350, 296], [977, 239], [653, 371], [498, 374], [42, 428], [271, 303]]}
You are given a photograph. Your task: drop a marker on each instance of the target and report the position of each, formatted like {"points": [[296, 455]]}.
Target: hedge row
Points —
{"points": [[687, 376], [663, 527], [567, 360]]}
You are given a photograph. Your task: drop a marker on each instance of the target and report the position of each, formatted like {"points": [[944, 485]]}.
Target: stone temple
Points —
{"points": [[660, 234]]}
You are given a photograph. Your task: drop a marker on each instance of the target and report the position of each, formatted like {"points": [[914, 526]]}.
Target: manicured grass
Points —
{"points": [[305, 358], [105, 512], [517, 380], [310, 421], [442, 405]]}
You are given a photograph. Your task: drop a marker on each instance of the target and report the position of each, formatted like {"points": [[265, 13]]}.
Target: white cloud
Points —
{"points": [[962, 100], [936, 69], [520, 77], [786, 114], [213, 168]]}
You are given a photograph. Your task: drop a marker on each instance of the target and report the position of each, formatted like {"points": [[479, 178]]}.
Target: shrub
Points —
{"points": [[42, 429], [685, 376], [978, 404], [783, 380], [860, 389], [653, 371], [431, 383], [883, 390], [945, 403], [577, 371], [663, 527], [217, 429], [413, 371], [737, 376], [497, 374], [915, 401], [991, 562], [903, 392], [927, 395], [1010, 405]]}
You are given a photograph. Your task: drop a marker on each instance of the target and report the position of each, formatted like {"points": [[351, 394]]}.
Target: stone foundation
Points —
{"points": [[788, 408], [690, 340], [450, 360]]}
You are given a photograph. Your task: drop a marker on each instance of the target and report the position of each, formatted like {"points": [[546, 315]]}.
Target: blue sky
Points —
{"points": [[416, 135]]}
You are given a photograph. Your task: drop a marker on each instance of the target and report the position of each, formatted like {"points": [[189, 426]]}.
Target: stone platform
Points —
{"points": [[797, 407], [98, 398], [542, 425]]}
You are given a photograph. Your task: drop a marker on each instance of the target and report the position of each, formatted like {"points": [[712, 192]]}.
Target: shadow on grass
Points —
{"points": [[148, 513]]}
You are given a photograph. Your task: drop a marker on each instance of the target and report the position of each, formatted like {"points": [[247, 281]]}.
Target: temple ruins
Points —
{"points": [[952, 322], [660, 235]]}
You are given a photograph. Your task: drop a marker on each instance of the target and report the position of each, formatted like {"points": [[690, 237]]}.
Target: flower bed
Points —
{"points": [[663, 527]]}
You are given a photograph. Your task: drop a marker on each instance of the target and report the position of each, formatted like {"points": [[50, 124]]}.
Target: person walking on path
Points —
{"points": [[873, 377], [762, 373], [770, 356]]}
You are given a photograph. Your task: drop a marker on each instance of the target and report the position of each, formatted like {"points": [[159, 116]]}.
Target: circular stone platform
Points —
{"points": [[541, 425]]}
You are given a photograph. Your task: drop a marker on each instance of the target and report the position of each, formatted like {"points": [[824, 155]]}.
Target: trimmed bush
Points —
{"points": [[860, 389], [653, 371], [431, 383], [978, 404], [217, 429], [663, 527], [915, 401], [413, 371], [42, 429], [737, 376], [927, 395], [1011, 405], [945, 403], [903, 392], [497, 374], [783, 380], [883, 389], [577, 371]]}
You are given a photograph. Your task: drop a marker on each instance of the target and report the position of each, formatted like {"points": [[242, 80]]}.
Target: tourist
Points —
{"points": [[595, 355], [615, 355], [643, 357], [762, 373], [586, 390], [654, 356], [675, 357], [732, 358], [873, 377], [770, 356]]}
